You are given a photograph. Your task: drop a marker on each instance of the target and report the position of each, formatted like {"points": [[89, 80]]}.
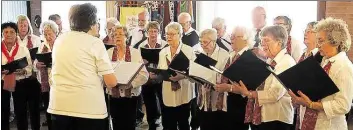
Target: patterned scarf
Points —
{"points": [[310, 116], [10, 79], [115, 92], [44, 74], [253, 108], [29, 42], [289, 45]]}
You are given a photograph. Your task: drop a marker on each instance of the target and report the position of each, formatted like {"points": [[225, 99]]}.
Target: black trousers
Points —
{"points": [[216, 120], [26, 96], [74, 123], [152, 103], [274, 125], [123, 112], [45, 99], [176, 117], [5, 108], [139, 111], [195, 112]]}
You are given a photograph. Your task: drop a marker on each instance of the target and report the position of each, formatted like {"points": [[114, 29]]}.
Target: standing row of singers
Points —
{"points": [[80, 63]]}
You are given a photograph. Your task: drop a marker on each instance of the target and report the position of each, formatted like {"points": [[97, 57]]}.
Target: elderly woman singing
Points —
{"points": [[328, 113]]}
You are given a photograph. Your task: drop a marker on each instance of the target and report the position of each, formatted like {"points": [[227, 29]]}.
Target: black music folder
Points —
{"points": [[14, 65], [249, 69], [108, 46], [45, 58], [204, 60], [310, 78], [318, 57], [180, 62], [151, 55], [33, 53]]}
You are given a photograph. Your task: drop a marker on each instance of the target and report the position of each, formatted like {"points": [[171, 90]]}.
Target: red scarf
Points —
{"points": [[29, 42], [310, 116], [253, 108], [116, 90], [156, 46], [289, 45], [9, 80], [44, 78]]}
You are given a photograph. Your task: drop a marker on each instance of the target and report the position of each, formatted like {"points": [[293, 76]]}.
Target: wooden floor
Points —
{"points": [[144, 126]]}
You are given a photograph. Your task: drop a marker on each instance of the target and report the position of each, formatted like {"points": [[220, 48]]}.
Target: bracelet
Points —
{"points": [[231, 88], [311, 105]]}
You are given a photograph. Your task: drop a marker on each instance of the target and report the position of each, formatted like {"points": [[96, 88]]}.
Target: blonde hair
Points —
{"points": [[22, 17], [337, 32]]}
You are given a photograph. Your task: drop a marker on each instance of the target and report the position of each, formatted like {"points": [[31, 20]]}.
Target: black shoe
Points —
{"points": [[45, 123]]}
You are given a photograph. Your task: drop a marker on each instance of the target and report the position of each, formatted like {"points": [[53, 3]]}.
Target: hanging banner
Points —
{"points": [[129, 16]]}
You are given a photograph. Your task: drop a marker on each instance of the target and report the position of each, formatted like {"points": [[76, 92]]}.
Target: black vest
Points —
{"points": [[190, 39]]}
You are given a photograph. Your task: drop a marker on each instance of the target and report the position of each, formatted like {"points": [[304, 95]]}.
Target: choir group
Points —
{"points": [[80, 91]]}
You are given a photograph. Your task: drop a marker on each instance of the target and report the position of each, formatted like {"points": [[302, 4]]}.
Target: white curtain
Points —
{"points": [[239, 13], [11, 9]]}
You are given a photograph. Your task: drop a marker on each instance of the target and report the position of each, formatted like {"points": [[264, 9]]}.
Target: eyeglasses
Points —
{"points": [[205, 43], [171, 34], [186, 23]]}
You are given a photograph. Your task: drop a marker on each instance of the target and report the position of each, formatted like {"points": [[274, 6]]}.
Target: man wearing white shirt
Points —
{"points": [[57, 19], [259, 22], [223, 39], [294, 47], [139, 32], [190, 37]]}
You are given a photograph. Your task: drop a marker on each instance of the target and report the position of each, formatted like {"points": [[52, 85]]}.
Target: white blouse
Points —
{"points": [[274, 99], [142, 76], [22, 52], [221, 56], [338, 104], [187, 90]]}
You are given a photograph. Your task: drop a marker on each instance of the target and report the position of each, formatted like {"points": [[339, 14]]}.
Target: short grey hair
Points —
{"points": [[337, 32], [116, 27], [277, 32], [153, 25], [210, 34], [49, 25], [113, 20], [175, 26], [247, 33], [186, 15], [218, 21], [22, 17], [287, 21]]}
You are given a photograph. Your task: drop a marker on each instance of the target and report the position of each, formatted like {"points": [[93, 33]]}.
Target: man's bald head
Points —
{"points": [[259, 17], [185, 20]]}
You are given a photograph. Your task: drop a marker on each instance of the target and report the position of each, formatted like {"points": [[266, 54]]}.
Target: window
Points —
{"points": [[62, 8], [11, 9], [239, 13]]}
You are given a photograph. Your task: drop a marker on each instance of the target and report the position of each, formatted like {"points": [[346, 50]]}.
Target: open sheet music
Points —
{"points": [[126, 71]]}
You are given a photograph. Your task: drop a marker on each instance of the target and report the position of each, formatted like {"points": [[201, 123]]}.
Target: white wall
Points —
{"points": [[62, 8], [239, 13]]}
